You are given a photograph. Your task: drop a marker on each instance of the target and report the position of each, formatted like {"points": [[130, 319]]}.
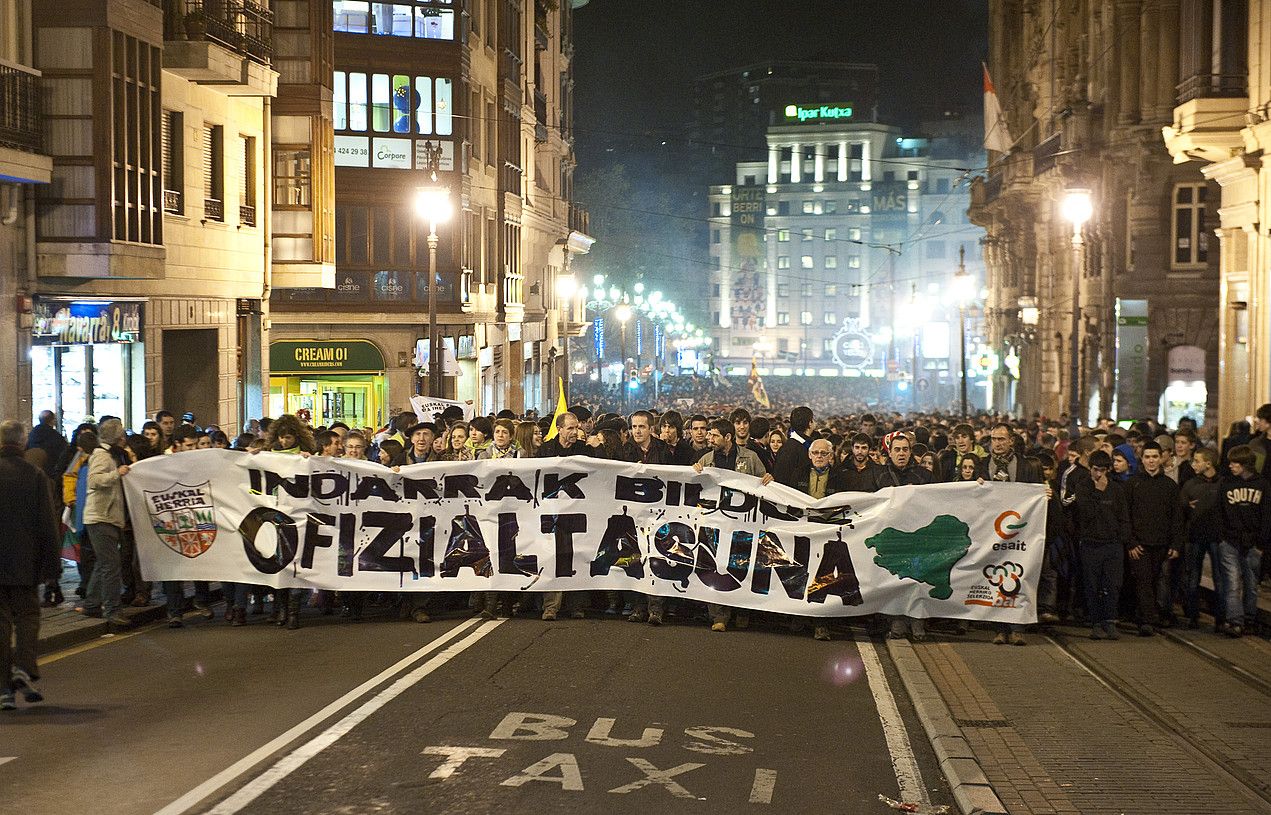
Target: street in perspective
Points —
{"points": [[475, 406]]}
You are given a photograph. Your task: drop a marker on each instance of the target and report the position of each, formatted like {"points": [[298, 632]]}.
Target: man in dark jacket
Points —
{"points": [[949, 461], [1198, 496], [1244, 517], [1006, 466], [792, 464], [45, 436], [566, 442], [1156, 535], [28, 557], [858, 473], [1102, 521], [644, 447], [900, 469], [672, 434]]}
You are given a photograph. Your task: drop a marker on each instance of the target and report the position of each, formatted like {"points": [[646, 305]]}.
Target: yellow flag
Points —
{"points": [[560, 409]]}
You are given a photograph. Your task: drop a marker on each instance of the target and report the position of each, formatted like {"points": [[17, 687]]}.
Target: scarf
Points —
{"points": [[1000, 466]]}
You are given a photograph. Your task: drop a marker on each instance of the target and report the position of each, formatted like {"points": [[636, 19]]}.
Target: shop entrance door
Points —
{"points": [[79, 382], [347, 402]]}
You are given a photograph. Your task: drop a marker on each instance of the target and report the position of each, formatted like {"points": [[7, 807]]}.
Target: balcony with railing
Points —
{"points": [[540, 116], [246, 215], [213, 209], [21, 126], [579, 220], [173, 202], [1213, 86], [219, 41]]}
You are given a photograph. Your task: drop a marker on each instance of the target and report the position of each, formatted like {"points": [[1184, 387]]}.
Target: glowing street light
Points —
{"points": [[1077, 207], [434, 206]]}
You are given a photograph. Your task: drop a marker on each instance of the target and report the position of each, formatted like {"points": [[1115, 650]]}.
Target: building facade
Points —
{"points": [[149, 245], [833, 257], [1086, 91], [1222, 124], [477, 93]]}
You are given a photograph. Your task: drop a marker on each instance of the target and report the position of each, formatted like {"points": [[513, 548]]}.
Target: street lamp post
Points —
{"points": [[566, 290], [962, 290], [623, 313], [433, 204], [1077, 208]]}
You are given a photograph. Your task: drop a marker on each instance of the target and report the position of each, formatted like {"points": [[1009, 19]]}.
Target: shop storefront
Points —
{"points": [[335, 380], [88, 359]]}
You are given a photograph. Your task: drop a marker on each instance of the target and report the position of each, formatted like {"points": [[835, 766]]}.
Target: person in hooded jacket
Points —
{"points": [[1156, 535], [1244, 514], [1102, 522]]}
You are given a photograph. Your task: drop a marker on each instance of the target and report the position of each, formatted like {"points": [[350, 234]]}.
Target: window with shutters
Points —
{"points": [[247, 184], [173, 151], [213, 173], [293, 177]]}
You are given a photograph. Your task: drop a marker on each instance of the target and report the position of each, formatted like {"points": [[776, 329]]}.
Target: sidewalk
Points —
{"points": [[1161, 725], [61, 627]]}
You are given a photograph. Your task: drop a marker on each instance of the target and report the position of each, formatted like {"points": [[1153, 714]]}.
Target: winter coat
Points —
{"points": [[1156, 517], [888, 475], [28, 530], [105, 502], [1244, 514], [53, 443], [1202, 519], [1101, 516], [747, 462]]}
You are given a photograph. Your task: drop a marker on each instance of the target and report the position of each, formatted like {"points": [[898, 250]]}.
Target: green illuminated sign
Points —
{"points": [[818, 113]]}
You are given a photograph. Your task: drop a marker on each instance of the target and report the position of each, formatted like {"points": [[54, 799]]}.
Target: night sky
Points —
{"points": [[635, 59], [634, 66]]}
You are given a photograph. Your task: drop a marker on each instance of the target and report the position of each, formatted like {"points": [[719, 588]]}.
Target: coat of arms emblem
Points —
{"points": [[184, 517]]}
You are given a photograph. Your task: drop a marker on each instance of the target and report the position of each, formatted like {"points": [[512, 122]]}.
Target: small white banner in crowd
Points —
{"points": [[428, 409], [949, 550]]}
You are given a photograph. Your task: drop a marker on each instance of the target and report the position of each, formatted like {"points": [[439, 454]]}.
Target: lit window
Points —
{"points": [[397, 104], [352, 17], [340, 102], [831, 261], [854, 233], [423, 19], [830, 318], [783, 261], [831, 206], [808, 207], [806, 233], [381, 104], [831, 234], [783, 289], [854, 261], [805, 262], [805, 317], [783, 235], [357, 102], [783, 318], [831, 290]]}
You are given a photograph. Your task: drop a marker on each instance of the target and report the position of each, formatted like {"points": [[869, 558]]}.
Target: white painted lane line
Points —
{"points": [[903, 760], [292, 762], [193, 797], [765, 782]]}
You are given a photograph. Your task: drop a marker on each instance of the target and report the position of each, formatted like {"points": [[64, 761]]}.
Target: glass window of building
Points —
{"points": [[831, 290], [831, 206], [783, 289], [806, 290], [831, 234], [783, 208], [392, 103], [783, 318], [831, 261], [854, 233], [783, 261], [422, 19], [805, 262], [806, 233], [783, 235], [805, 317], [1189, 236], [853, 261], [830, 318], [808, 207]]}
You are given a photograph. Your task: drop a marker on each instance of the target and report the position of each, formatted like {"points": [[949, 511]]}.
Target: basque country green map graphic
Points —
{"points": [[926, 555]]}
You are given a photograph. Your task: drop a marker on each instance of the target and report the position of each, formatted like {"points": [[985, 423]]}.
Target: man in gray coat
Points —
{"points": [[28, 557], [105, 519]]}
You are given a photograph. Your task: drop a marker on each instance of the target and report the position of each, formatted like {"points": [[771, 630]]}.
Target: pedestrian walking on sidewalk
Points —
{"points": [[1244, 512], [28, 556], [1156, 538]]}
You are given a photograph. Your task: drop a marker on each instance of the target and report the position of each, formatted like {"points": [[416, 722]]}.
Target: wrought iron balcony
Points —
{"points": [[242, 26], [246, 215], [1209, 86], [213, 210], [20, 122], [173, 202], [579, 219]]}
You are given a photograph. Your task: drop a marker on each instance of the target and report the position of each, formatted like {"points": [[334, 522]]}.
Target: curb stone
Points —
{"points": [[971, 789]]}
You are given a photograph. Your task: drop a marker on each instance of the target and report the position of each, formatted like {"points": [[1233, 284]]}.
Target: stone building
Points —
{"points": [[1222, 124], [1086, 89]]}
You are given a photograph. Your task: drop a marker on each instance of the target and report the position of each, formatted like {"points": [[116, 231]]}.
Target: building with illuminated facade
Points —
{"points": [[484, 88], [833, 257]]}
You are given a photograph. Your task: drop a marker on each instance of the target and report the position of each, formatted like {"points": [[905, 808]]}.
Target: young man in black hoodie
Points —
{"points": [[1244, 518], [1156, 534], [1199, 498], [1102, 520], [566, 443]]}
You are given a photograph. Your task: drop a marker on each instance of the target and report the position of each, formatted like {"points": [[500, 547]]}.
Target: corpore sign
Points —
{"points": [[951, 550]]}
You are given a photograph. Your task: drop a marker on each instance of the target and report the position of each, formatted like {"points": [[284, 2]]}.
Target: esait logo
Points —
{"points": [[1008, 524]]}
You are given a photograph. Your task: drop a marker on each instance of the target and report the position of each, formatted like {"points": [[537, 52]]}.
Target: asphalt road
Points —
{"points": [[465, 716]]}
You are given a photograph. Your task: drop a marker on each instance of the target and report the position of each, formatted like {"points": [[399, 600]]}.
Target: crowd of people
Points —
{"points": [[1133, 511]]}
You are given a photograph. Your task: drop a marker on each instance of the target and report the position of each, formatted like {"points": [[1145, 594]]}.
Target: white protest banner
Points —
{"points": [[972, 551], [429, 409]]}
